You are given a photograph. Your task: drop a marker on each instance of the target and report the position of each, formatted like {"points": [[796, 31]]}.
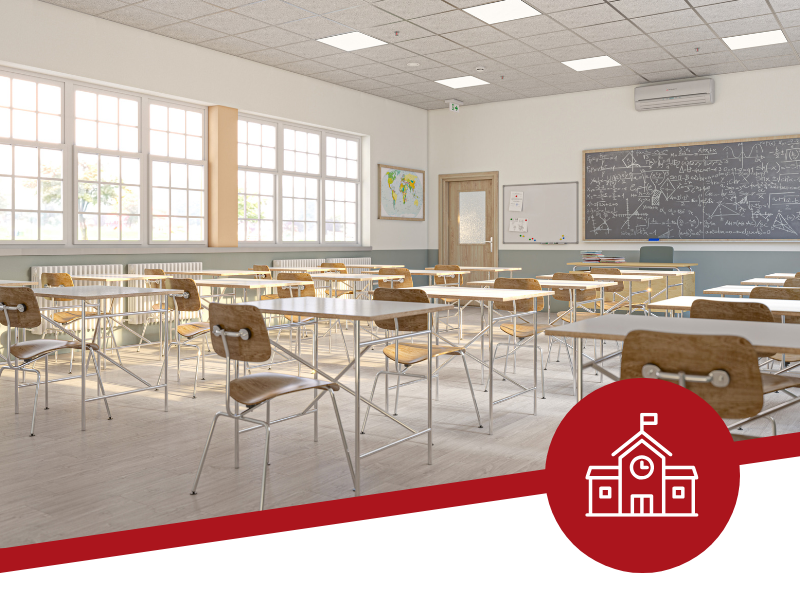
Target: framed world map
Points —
{"points": [[401, 193]]}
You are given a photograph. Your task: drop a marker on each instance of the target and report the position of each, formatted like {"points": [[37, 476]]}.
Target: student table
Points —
{"points": [[495, 270], [782, 308], [630, 278], [101, 295], [249, 284], [781, 276], [643, 265], [216, 273], [764, 282], [731, 290], [357, 311], [333, 279], [433, 273]]}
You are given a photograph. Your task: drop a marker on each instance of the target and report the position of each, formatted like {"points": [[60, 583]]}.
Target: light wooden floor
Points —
{"points": [[137, 470]]}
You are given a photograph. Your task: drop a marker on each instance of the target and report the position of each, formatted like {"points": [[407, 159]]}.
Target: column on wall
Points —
{"points": [[222, 177]]}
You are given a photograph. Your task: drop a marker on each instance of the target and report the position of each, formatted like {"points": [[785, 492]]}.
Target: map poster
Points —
{"points": [[401, 193]]}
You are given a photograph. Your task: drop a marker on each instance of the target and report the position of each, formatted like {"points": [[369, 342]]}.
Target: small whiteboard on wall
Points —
{"points": [[540, 213]]}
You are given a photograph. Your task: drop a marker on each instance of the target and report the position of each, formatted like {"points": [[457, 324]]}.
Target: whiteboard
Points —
{"points": [[549, 211]]}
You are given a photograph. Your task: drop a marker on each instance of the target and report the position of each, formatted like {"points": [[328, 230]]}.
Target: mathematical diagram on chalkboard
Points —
{"points": [[743, 190]]}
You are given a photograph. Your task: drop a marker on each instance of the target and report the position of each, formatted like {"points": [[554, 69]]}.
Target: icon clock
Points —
{"points": [[642, 467]]}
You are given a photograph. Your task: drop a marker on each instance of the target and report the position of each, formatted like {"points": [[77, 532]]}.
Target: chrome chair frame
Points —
{"points": [[201, 356]]}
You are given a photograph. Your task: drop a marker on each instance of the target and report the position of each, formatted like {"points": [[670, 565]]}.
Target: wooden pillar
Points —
{"points": [[222, 177]]}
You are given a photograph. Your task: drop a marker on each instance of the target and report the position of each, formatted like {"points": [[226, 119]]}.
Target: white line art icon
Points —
{"points": [[641, 484]]}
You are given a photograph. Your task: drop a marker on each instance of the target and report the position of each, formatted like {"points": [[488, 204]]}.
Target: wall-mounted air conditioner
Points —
{"points": [[674, 95]]}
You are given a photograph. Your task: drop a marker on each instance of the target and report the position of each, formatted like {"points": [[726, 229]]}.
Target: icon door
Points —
{"points": [[642, 504]]}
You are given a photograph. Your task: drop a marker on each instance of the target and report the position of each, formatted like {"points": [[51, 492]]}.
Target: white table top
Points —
{"points": [[348, 310], [765, 282], [634, 264], [486, 294], [777, 307], [661, 273], [432, 272], [374, 267], [15, 283], [554, 283], [605, 277], [249, 283], [781, 275], [219, 272], [98, 292], [771, 338], [352, 277], [731, 290], [483, 269], [298, 269], [109, 278]]}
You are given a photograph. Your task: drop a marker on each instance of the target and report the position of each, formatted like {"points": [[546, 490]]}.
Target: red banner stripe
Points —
{"points": [[764, 449]]}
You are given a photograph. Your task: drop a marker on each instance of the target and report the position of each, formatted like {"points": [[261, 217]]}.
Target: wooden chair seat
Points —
{"points": [[270, 297], [70, 316], [192, 330], [523, 330], [34, 349], [252, 390], [298, 319], [411, 354], [790, 358], [339, 293], [775, 383], [566, 316]]}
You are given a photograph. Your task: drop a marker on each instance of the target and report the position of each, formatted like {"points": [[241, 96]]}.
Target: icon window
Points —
{"points": [[605, 492], [678, 493]]}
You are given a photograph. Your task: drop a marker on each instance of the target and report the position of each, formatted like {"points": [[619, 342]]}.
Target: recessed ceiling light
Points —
{"points": [[506, 10], [412, 64], [587, 64], [752, 40], [462, 82], [352, 41]]}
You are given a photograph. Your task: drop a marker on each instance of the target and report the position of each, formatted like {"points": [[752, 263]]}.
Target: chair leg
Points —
{"points": [[541, 362], [266, 462], [472, 391], [46, 383], [205, 453], [196, 369], [71, 359], [35, 401]]}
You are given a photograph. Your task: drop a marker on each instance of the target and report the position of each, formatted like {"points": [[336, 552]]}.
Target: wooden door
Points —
{"points": [[469, 221]]}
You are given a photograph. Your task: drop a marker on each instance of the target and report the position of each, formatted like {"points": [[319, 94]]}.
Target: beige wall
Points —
{"points": [[41, 36], [541, 140]]}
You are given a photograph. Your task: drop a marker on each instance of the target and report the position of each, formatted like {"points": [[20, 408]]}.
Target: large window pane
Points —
{"points": [[108, 188]]}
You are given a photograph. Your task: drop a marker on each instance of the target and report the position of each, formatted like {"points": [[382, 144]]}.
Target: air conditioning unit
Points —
{"points": [[674, 95]]}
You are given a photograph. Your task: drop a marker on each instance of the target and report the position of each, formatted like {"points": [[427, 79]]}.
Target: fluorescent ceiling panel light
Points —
{"points": [[588, 64], [506, 10], [462, 82], [352, 41], [766, 38]]}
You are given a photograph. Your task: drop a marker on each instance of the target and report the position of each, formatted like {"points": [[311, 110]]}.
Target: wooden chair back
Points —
{"points": [[700, 355], [190, 304], [415, 323], [335, 267], [731, 311], [447, 280], [776, 293], [263, 268], [308, 290], [793, 282], [516, 283], [58, 280], [12, 297], [154, 283], [620, 287], [406, 282], [234, 318], [580, 295]]}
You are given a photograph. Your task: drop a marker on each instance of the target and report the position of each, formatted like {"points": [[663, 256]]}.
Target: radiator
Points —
{"points": [[298, 262], [359, 285], [145, 302], [36, 275]]}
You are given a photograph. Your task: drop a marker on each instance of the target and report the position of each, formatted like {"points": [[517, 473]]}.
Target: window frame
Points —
{"points": [[357, 183], [276, 173], [63, 146]]}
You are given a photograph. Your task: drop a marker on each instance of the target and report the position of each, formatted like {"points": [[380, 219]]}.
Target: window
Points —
{"points": [[300, 201], [178, 200], [300, 151], [31, 161], [340, 211], [109, 198], [678, 493], [257, 145], [341, 158], [106, 122], [256, 206], [605, 492]]}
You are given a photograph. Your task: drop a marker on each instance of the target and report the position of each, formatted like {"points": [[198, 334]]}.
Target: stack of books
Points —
{"points": [[612, 259], [592, 255]]}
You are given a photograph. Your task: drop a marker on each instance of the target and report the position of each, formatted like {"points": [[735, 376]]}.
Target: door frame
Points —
{"points": [[444, 209]]}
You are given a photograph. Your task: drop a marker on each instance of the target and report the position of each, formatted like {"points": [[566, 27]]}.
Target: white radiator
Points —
{"points": [[298, 262], [36, 275], [359, 285], [145, 302]]}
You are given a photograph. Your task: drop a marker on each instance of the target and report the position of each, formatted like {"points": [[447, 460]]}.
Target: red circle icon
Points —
{"points": [[641, 475]]}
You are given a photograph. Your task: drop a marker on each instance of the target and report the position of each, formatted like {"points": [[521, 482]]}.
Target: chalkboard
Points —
{"points": [[549, 212], [734, 190]]}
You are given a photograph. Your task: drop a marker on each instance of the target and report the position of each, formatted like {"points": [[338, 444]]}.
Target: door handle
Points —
{"points": [[490, 241]]}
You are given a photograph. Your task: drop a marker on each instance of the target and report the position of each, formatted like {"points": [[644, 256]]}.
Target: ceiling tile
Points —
{"points": [[574, 52], [719, 69], [322, 7], [188, 32], [361, 17], [476, 36], [529, 26], [640, 55], [228, 22], [401, 79], [559, 80], [487, 64], [454, 57], [643, 8], [712, 58], [306, 67], [427, 87], [528, 59], [139, 17], [439, 73], [626, 44], [500, 49], [780, 5], [411, 9], [385, 53], [337, 76], [787, 19], [455, 20], [423, 61], [364, 85], [669, 75], [316, 27], [681, 36], [433, 105], [607, 31], [557, 39], [226, 4], [272, 37], [271, 56], [310, 49], [388, 92], [697, 48], [671, 20], [374, 70], [413, 99], [745, 26], [273, 12], [497, 94], [344, 60], [90, 7], [737, 9], [550, 6], [555, 68], [538, 92], [792, 33], [232, 45], [504, 77], [589, 15], [655, 66], [764, 51], [584, 86], [180, 9], [394, 33], [429, 45], [610, 73], [523, 83], [613, 82]]}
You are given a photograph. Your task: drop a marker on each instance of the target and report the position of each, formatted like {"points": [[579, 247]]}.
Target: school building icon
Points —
{"points": [[642, 484]]}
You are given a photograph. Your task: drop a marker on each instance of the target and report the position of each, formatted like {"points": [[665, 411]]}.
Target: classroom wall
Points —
{"points": [[39, 36], [541, 140]]}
